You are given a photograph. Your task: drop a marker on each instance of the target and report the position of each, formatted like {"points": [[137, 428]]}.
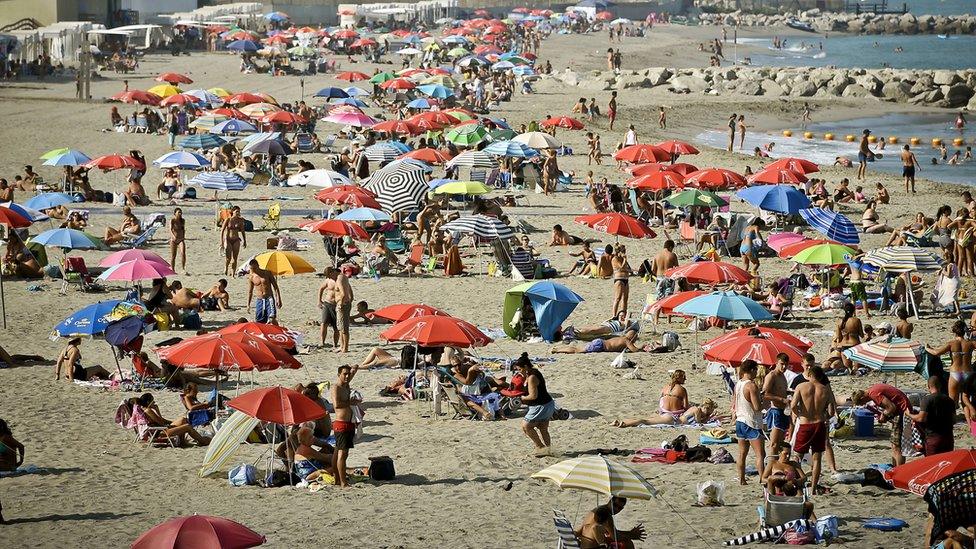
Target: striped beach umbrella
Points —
{"points": [[831, 224], [400, 186], [382, 152], [182, 159], [482, 226], [511, 149], [467, 135], [202, 141], [473, 159], [233, 125], [599, 474], [227, 441], [903, 259], [895, 355], [219, 181]]}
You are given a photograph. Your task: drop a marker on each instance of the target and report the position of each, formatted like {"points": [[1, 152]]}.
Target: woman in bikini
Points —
{"points": [[621, 279], [870, 221], [960, 350], [782, 470], [774, 299], [848, 333], [674, 408], [751, 242], [70, 361]]}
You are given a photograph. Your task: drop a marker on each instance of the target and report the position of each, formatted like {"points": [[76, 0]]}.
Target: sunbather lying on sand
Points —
{"points": [[609, 345], [699, 415], [613, 327]]}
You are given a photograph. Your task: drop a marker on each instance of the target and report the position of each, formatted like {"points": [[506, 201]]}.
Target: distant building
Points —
{"points": [[112, 13]]}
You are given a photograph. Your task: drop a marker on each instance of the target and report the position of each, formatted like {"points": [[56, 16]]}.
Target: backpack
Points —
{"points": [[679, 444], [381, 468], [698, 454], [670, 341]]}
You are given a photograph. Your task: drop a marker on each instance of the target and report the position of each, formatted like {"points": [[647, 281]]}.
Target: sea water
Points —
{"points": [[904, 126], [868, 51]]}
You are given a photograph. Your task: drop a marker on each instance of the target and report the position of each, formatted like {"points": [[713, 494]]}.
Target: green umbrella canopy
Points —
{"points": [[696, 197]]}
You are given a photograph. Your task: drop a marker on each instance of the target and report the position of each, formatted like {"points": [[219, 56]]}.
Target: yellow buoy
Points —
{"points": [[787, 133], [915, 141], [936, 142], [872, 139], [850, 138], [958, 141], [829, 136], [893, 139], [808, 135]]}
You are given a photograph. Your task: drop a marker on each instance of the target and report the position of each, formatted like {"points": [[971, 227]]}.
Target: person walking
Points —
{"points": [[909, 165], [541, 407], [732, 120]]}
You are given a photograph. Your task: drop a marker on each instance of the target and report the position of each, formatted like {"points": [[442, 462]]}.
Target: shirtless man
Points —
{"points": [[327, 302], [664, 260], [232, 239], [813, 405], [342, 425], [587, 260], [774, 393], [136, 195], [864, 155], [183, 298], [609, 345], [6, 191], [219, 293], [177, 238], [562, 238], [428, 218], [29, 180], [598, 529], [269, 296], [343, 298], [908, 166]]}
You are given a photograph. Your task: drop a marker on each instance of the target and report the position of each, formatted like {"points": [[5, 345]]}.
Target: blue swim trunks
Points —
{"points": [[595, 346], [540, 413], [306, 467], [265, 310], [777, 419], [744, 432]]}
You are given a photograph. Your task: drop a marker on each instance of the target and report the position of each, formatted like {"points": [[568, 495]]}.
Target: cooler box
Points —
{"points": [[863, 423]]}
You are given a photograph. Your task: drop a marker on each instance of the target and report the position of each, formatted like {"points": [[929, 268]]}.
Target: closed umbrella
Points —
{"points": [[725, 305], [199, 532], [833, 225], [775, 198], [227, 441]]}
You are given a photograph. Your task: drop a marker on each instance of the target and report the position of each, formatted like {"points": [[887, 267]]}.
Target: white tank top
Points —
{"points": [[743, 408]]}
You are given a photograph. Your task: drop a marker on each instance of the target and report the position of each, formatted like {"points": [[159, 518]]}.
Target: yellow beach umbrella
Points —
{"points": [[441, 80], [601, 475], [284, 263], [165, 90], [257, 110], [463, 187], [220, 92]]}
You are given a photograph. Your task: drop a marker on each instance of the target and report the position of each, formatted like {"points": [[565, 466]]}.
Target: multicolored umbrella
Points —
{"points": [[896, 355], [833, 225], [903, 259]]}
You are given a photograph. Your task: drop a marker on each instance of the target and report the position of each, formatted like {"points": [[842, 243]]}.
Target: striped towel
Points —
{"points": [[773, 532]]}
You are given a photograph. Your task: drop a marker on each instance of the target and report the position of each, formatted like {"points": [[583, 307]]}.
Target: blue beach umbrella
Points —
{"points": [[205, 96], [552, 304], [724, 305], [434, 183], [68, 158], [353, 91], [833, 225], [332, 92], [398, 145], [364, 214], [436, 91], [219, 181], [261, 136], [775, 198], [419, 103], [523, 70], [88, 321], [124, 331], [201, 141], [276, 16], [512, 149], [181, 159], [349, 101], [46, 201], [29, 213], [233, 126], [243, 45], [68, 239]]}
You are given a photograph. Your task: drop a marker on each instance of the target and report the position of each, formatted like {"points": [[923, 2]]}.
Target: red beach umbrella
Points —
{"points": [[710, 272], [404, 311], [403, 127], [137, 96], [616, 224], [437, 331], [916, 476], [733, 351], [336, 227], [563, 122], [179, 99], [13, 219], [243, 98], [349, 33], [714, 178], [278, 405], [774, 176], [440, 117], [174, 78], [642, 154], [230, 112], [801, 343], [668, 304], [678, 147], [115, 162], [199, 532], [683, 168], [790, 250], [352, 76], [347, 195], [283, 117], [398, 84], [268, 332], [239, 351], [657, 181], [428, 155], [797, 165]]}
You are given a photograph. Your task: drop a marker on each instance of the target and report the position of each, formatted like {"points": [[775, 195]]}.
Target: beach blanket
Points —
{"points": [[714, 424], [765, 534], [707, 439]]}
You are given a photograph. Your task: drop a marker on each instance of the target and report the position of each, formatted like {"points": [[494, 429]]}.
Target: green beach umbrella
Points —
{"points": [[52, 153], [381, 77], [303, 51], [467, 135], [696, 197], [462, 188], [457, 52], [824, 254], [502, 134], [431, 134]]}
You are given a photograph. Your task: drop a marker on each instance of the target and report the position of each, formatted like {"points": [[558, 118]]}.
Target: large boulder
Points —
{"points": [[928, 97], [749, 87], [945, 78], [972, 104], [688, 84], [658, 76], [632, 81], [804, 88], [899, 91], [772, 89], [958, 95], [908, 24], [869, 82], [856, 90]]}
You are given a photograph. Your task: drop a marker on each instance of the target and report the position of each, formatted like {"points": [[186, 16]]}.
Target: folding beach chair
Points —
{"points": [[952, 503], [273, 216], [478, 175], [75, 270], [304, 143], [415, 259], [326, 145], [395, 240], [137, 241], [135, 419], [564, 528]]}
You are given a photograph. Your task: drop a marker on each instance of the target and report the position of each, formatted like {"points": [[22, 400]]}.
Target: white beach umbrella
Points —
{"points": [[318, 178], [538, 140]]}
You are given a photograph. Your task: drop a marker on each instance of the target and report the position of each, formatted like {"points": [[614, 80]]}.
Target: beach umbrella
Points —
{"points": [[776, 176], [336, 228], [512, 149], [233, 125], [657, 181], [474, 160], [599, 474], [137, 269], [13, 219], [710, 272], [399, 187], [45, 201], [408, 51], [243, 98], [352, 76], [110, 162], [790, 250], [381, 77], [917, 475], [437, 91], [764, 350], [355, 119], [219, 181], [24, 211], [440, 118], [265, 146], [799, 342], [137, 96], [403, 311], [419, 103], [278, 405], [617, 224], [243, 45], [199, 532], [796, 165], [895, 354], [437, 331], [237, 351], [566, 122], [284, 263], [467, 135], [122, 256], [381, 152], [824, 254], [54, 152], [352, 101], [428, 155], [402, 127], [457, 51], [124, 331], [775, 198], [726, 305], [503, 66], [180, 99], [219, 92], [259, 110], [364, 215], [331, 92], [353, 91], [164, 90], [677, 148], [482, 226], [68, 239], [470, 188], [303, 51], [88, 321], [552, 304], [903, 259], [272, 333], [225, 443], [205, 96], [833, 225], [182, 159], [666, 305], [642, 154], [318, 178], [208, 121], [778, 241], [69, 157], [400, 146], [502, 134], [714, 178], [348, 196], [644, 169], [523, 70], [283, 117], [399, 84], [538, 140]]}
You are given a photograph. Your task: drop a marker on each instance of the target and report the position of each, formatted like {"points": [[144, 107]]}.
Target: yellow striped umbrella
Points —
{"points": [[226, 442], [219, 92], [257, 110], [599, 474], [284, 263]]}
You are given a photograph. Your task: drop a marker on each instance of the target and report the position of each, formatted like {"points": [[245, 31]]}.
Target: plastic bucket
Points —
{"points": [[863, 423]]}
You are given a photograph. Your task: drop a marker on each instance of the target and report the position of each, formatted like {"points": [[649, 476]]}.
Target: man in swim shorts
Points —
{"points": [[775, 393], [908, 165], [609, 345], [265, 285], [813, 405], [342, 424]]}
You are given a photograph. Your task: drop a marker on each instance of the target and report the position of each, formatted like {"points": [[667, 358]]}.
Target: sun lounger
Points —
{"points": [[564, 528], [138, 241]]}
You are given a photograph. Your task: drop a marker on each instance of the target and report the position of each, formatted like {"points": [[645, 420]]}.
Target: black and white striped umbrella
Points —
{"points": [[473, 159], [382, 152], [482, 226], [401, 186]]}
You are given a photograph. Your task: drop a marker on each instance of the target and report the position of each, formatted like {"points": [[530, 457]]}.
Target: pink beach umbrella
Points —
{"points": [[137, 269], [131, 255], [778, 241], [356, 119]]}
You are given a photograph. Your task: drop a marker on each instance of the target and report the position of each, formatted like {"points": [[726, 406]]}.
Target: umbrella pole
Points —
{"points": [[117, 365], [3, 301], [911, 293]]}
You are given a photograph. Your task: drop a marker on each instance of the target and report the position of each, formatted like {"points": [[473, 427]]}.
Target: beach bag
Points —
{"points": [[198, 418], [244, 474], [711, 493], [280, 478], [381, 468], [698, 454], [192, 321], [722, 456], [209, 303], [162, 321], [827, 528], [799, 535], [679, 444]]}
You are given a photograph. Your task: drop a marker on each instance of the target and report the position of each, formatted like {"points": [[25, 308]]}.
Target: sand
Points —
{"points": [[459, 483]]}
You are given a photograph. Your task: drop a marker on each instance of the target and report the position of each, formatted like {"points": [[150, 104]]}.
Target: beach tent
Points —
{"points": [[552, 303]]}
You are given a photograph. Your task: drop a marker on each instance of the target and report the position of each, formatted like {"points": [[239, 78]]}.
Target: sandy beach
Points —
{"points": [[459, 483]]}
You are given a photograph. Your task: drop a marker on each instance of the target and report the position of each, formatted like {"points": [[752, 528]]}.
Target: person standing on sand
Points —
{"points": [[621, 280], [177, 239], [612, 109], [742, 131], [343, 299], [662, 118], [909, 164], [812, 406], [342, 424], [774, 392], [864, 155], [806, 113], [232, 239], [540, 404], [732, 132], [268, 294], [631, 137], [746, 406], [11, 455], [327, 302]]}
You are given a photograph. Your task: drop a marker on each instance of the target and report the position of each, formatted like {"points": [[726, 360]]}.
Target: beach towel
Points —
{"points": [[714, 424], [708, 439], [23, 470], [765, 534]]}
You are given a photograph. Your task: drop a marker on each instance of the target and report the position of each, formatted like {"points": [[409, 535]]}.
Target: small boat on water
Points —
{"points": [[799, 25], [946, 37]]}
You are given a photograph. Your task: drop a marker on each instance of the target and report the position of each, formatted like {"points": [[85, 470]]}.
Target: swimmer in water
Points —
{"points": [[876, 45], [956, 158], [960, 121]]}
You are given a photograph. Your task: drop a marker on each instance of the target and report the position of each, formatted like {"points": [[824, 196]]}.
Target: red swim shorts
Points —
{"points": [[810, 436], [343, 426]]}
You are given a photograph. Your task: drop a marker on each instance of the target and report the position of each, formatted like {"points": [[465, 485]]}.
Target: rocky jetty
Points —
{"points": [[865, 23]]}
